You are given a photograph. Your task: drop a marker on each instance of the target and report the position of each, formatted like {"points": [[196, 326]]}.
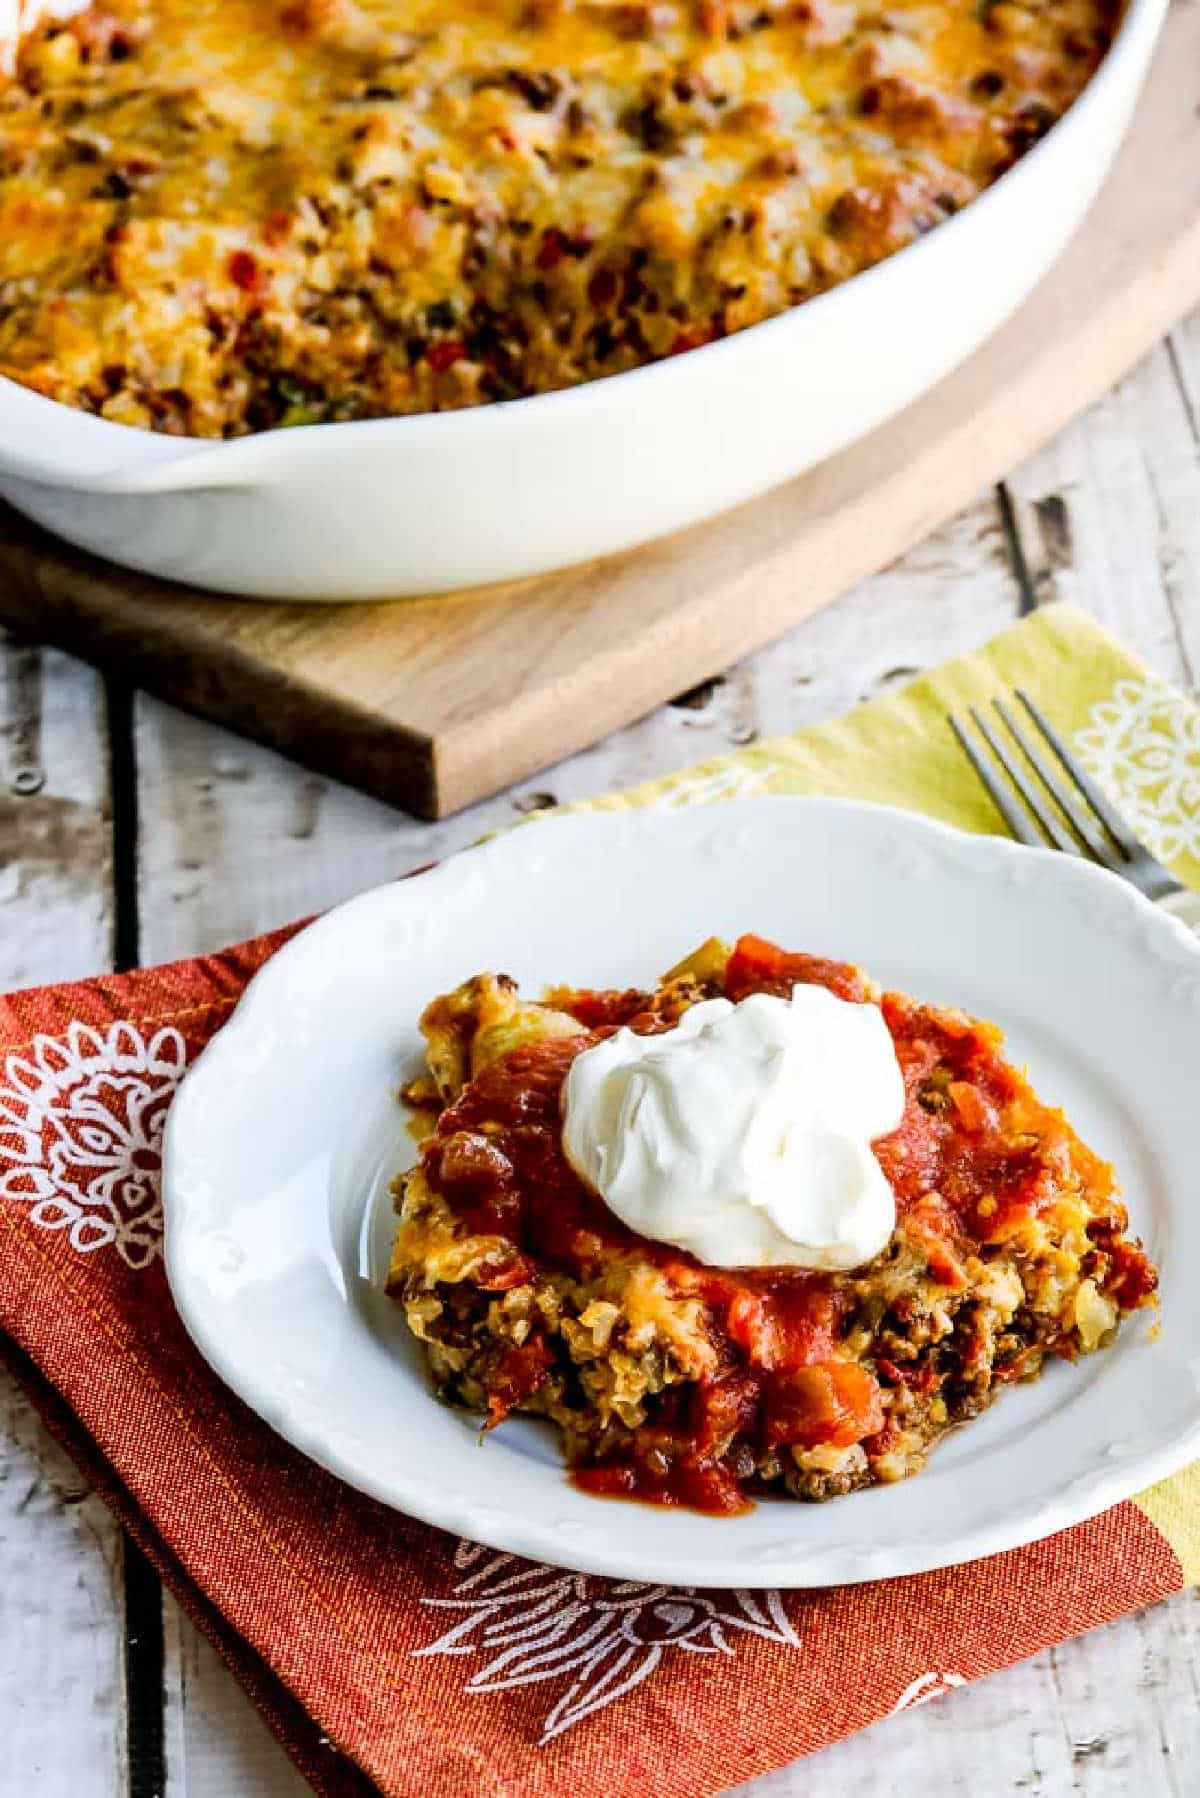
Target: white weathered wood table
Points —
{"points": [[131, 832]]}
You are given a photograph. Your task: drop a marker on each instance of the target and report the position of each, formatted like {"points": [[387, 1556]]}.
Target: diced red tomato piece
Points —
{"points": [[757, 966], [246, 272], [721, 1410], [1134, 1280], [504, 1274], [517, 1377], [468, 1158], [974, 1112], [443, 355], [688, 340], [836, 1402], [786, 1327], [598, 1011], [552, 249]]}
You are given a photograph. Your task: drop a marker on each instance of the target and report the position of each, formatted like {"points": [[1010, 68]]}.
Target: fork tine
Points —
{"points": [[1108, 815], [1026, 788], [1075, 814], [1012, 814]]}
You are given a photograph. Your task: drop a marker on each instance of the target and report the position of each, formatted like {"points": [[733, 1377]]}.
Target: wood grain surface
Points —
{"points": [[218, 837], [431, 703]]}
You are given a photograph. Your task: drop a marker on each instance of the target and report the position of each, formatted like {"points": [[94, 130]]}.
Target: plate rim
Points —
{"points": [[1096, 1490]]}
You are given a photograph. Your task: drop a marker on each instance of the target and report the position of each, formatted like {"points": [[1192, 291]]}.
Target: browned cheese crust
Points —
{"points": [[220, 216]]}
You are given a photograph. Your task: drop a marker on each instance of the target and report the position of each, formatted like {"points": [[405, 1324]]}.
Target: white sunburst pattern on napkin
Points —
{"points": [[1143, 744], [536, 1623], [81, 1123]]}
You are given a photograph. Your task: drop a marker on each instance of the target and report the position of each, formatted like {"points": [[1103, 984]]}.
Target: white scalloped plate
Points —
{"points": [[282, 1141]]}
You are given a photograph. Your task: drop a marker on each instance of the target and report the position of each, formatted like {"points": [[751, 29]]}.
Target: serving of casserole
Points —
{"points": [[684, 1383]]}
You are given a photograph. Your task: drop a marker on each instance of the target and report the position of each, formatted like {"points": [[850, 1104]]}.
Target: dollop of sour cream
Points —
{"points": [[744, 1134]]}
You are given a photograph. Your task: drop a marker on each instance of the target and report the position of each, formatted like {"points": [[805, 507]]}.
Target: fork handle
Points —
{"points": [[1185, 906]]}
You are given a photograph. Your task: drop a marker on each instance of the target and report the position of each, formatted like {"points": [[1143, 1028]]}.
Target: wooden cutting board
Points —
{"points": [[433, 703]]}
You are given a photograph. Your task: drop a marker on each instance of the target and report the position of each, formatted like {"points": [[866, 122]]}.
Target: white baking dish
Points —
{"points": [[405, 505]]}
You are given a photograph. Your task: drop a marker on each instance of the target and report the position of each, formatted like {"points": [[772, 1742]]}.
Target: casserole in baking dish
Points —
{"points": [[222, 218]]}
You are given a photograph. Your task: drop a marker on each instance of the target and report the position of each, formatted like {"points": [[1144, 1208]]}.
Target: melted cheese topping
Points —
{"points": [[218, 216]]}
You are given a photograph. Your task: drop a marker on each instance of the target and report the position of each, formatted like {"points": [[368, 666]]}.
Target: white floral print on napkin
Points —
{"points": [[1143, 744], [536, 1623], [81, 1122]]}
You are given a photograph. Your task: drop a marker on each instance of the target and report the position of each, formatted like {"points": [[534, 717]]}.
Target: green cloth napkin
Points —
{"points": [[1139, 735]]}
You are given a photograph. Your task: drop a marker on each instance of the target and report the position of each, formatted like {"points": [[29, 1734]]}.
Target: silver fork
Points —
{"points": [[1075, 814]]}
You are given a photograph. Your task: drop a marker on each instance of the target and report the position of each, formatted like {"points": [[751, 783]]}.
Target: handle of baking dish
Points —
{"points": [[1185, 906], [46, 444]]}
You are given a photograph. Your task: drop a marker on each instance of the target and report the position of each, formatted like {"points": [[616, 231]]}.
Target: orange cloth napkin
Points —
{"points": [[380, 1651]]}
